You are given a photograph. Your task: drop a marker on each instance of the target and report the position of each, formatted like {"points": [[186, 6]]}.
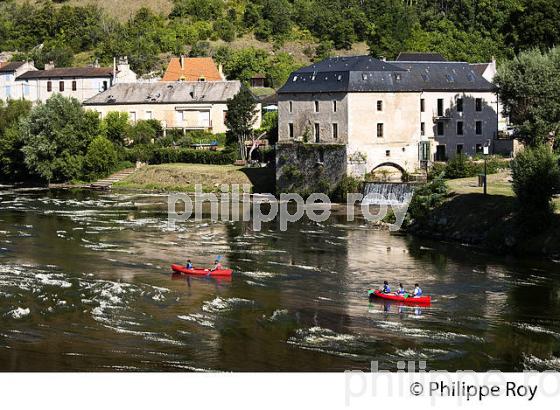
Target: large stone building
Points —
{"points": [[403, 114], [186, 105]]}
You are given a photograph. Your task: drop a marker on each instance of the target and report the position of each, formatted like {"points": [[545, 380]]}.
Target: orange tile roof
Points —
{"points": [[193, 69]]}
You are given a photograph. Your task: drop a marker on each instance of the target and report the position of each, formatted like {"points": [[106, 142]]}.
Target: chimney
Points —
{"points": [[96, 63], [182, 62], [49, 65], [221, 71]]}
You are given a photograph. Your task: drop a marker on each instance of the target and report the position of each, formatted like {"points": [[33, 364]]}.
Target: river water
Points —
{"points": [[85, 285]]}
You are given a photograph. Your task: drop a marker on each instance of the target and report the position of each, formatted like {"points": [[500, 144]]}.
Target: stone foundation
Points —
{"points": [[307, 168]]}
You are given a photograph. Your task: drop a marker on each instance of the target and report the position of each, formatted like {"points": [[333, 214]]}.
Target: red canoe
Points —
{"points": [[421, 300], [201, 272]]}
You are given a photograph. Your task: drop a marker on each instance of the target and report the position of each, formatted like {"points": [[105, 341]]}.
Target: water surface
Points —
{"points": [[85, 285]]}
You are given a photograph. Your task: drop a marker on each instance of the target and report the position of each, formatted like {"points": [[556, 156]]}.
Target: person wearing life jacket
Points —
{"points": [[217, 266], [189, 265], [400, 290], [417, 292], [386, 287]]}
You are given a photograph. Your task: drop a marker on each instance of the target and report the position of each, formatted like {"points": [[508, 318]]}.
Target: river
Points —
{"points": [[85, 285]]}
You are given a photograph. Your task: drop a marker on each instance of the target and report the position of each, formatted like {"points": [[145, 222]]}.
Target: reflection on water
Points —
{"points": [[85, 285]]}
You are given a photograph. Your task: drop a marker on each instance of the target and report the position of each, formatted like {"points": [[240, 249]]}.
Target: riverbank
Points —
{"points": [[185, 177], [489, 222]]}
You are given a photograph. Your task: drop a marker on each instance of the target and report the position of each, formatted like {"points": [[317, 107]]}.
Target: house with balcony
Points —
{"points": [[185, 105], [399, 114]]}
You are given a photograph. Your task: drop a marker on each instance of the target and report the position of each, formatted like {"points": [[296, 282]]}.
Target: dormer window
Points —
{"points": [[364, 76]]}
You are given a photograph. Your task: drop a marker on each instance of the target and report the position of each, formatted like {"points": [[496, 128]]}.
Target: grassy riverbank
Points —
{"points": [[184, 178], [489, 222]]}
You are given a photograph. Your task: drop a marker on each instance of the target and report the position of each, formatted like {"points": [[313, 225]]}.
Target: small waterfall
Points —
{"points": [[386, 193]]}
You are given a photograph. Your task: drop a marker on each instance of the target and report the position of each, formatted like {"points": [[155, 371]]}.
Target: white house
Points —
{"points": [[9, 87], [187, 105], [403, 114], [77, 82]]}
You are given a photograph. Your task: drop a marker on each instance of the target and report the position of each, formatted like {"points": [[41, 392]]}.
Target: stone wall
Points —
{"points": [[307, 168]]}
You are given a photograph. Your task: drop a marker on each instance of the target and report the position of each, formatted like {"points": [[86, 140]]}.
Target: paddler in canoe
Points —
{"points": [[401, 291], [386, 288], [417, 292], [217, 266], [189, 265]]}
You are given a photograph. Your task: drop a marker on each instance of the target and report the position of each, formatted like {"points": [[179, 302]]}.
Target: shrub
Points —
{"points": [[427, 198], [144, 132], [459, 167], [535, 176], [164, 155], [347, 185], [100, 159]]}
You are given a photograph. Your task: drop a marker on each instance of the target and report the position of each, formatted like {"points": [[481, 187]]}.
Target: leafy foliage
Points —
{"points": [[426, 198], [470, 30], [535, 174], [241, 116], [100, 159], [115, 127], [529, 87], [56, 135]]}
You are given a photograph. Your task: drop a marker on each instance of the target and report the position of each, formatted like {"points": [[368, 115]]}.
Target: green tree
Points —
{"points": [[534, 24], [269, 124], [100, 159], [55, 137], [535, 175], [11, 112], [116, 127], [143, 132], [241, 116], [12, 167], [198, 9], [529, 88]]}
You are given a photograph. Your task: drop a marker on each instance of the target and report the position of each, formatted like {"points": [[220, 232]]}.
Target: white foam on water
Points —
{"points": [[202, 320], [278, 314], [531, 362], [261, 275], [224, 305], [536, 329], [409, 354], [19, 313], [253, 283], [51, 280]]}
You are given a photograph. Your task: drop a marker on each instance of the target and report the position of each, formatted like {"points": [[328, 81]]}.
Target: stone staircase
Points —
{"points": [[108, 182]]}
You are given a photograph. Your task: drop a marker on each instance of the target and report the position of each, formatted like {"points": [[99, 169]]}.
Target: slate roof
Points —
{"points": [[185, 92], [193, 69], [10, 67], [480, 68], [84, 72], [411, 56], [368, 74], [446, 76]]}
